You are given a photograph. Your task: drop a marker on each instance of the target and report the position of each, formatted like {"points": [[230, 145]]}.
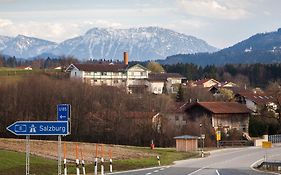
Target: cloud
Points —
{"points": [[5, 22], [57, 31], [214, 9]]}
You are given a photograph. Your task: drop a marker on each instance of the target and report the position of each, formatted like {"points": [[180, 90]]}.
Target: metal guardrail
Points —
{"points": [[234, 143], [270, 166], [275, 138]]}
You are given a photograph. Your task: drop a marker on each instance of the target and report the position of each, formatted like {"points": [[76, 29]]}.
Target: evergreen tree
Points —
{"points": [[179, 97]]}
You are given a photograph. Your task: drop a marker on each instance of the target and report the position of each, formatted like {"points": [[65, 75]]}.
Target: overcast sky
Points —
{"points": [[221, 23]]}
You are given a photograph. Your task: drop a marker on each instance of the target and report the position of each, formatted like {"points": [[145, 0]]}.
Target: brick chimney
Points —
{"points": [[126, 58]]}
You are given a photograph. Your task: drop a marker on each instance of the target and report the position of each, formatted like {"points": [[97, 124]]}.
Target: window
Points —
{"points": [[123, 80], [95, 80], [75, 73], [176, 118], [104, 73], [142, 74], [115, 81]]}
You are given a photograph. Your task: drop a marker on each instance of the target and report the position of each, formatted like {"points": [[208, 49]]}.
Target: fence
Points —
{"points": [[274, 138], [234, 143]]}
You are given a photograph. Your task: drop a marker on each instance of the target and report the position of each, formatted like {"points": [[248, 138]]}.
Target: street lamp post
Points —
{"points": [[201, 140]]}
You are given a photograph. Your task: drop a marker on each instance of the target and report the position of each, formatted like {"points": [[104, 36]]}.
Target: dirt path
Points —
{"points": [[49, 149]]}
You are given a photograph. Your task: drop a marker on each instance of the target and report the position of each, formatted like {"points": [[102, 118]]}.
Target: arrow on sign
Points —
{"points": [[39, 128]]}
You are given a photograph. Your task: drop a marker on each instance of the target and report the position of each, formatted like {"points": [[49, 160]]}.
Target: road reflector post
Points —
{"points": [[110, 161], [158, 159], [83, 164], [77, 161], [64, 159], [96, 161], [102, 161]]}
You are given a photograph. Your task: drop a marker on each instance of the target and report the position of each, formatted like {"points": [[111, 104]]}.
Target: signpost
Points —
{"points": [[39, 128], [266, 145], [218, 137], [61, 127], [63, 112]]}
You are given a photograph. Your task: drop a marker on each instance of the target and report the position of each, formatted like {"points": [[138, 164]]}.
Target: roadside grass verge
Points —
{"points": [[13, 163]]}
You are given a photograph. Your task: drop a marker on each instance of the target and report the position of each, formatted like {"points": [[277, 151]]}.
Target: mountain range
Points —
{"points": [[144, 43], [259, 48]]}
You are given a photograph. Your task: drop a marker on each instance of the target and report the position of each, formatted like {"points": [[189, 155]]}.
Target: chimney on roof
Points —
{"points": [[126, 58]]}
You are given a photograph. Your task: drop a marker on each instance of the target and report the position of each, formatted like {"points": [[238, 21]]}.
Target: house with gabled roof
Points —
{"points": [[169, 81], [254, 99], [223, 115], [134, 78], [205, 83]]}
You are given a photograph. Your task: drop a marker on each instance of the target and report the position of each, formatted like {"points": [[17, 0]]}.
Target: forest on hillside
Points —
{"points": [[254, 75]]}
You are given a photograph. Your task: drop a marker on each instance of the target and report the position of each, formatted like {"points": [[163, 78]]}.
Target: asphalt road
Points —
{"points": [[236, 161]]}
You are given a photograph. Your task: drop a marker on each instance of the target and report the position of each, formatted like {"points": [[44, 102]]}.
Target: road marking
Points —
{"points": [[156, 171], [162, 169], [148, 173], [196, 171], [143, 169], [217, 172]]}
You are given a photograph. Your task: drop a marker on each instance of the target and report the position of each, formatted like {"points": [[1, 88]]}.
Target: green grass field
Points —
{"points": [[13, 163]]}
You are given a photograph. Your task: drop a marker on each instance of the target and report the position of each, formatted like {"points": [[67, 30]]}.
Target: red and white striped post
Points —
{"points": [[96, 161], [83, 164], [77, 161], [64, 159]]}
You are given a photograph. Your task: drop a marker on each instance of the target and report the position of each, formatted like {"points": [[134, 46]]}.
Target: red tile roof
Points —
{"points": [[222, 107], [101, 67], [258, 98]]}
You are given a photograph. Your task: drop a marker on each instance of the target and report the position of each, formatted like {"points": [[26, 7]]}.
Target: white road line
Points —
{"points": [[147, 173], [162, 169], [137, 170], [156, 171], [196, 171], [217, 172]]}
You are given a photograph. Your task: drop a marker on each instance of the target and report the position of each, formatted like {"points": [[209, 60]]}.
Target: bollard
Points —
{"points": [[96, 161], [64, 159], [110, 160], [83, 164], [83, 167], [102, 161], [102, 167], [110, 165], [77, 161], [96, 166], [158, 158]]}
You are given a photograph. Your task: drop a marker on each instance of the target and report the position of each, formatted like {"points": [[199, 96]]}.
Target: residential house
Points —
{"points": [[164, 81], [255, 99], [176, 115], [153, 118], [222, 115], [134, 78], [205, 83]]}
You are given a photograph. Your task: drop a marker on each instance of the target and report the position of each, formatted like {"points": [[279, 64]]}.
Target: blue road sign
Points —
{"points": [[63, 112], [39, 128]]}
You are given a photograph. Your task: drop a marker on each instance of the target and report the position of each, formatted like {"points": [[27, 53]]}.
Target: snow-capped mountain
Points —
{"points": [[145, 43], [3, 41], [26, 47]]}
